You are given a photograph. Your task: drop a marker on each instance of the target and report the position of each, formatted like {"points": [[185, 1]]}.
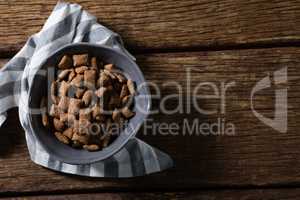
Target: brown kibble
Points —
{"points": [[94, 64], [54, 111], [103, 80], [127, 100], [58, 125], [130, 85], [106, 140], [80, 60], [72, 74], [65, 62], [109, 67], [97, 113], [87, 97], [116, 115], [80, 70], [114, 102], [117, 87], [90, 78], [67, 118], [77, 81], [45, 120], [83, 139], [124, 91], [91, 147], [83, 126], [79, 92], [103, 95], [121, 78], [127, 113], [61, 137], [63, 103], [53, 92], [68, 133], [101, 92], [110, 88], [63, 89], [85, 114], [109, 73], [63, 74], [74, 106]]}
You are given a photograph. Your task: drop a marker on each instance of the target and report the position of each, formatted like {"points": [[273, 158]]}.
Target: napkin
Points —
{"points": [[69, 23]]}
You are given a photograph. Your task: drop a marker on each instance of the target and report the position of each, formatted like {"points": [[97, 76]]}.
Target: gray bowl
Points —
{"points": [[40, 87]]}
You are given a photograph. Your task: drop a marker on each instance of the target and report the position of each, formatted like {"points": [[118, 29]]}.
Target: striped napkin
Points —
{"points": [[68, 23]]}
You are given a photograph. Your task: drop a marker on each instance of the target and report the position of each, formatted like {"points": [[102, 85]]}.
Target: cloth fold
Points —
{"points": [[69, 23]]}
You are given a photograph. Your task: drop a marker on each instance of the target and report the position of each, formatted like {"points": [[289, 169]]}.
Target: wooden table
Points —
{"points": [[219, 41]]}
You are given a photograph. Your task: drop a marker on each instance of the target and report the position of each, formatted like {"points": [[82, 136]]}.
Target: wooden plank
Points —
{"points": [[167, 24], [267, 194], [257, 155]]}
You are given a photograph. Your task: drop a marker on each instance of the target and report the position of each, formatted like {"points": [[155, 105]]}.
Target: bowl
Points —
{"points": [[40, 88]]}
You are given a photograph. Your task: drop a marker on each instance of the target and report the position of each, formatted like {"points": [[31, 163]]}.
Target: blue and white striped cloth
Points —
{"points": [[68, 23]]}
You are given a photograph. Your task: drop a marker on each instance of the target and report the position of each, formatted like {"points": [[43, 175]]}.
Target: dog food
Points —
{"points": [[87, 99]]}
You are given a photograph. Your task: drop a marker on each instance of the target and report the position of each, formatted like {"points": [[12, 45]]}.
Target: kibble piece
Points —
{"points": [[104, 80], [101, 92], [77, 81], [81, 69], [63, 74], [63, 103], [109, 73], [124, 91], [67, 118], [131, 87], [114, 102], [106, 140], [91, 147], [72, 74], [81, 126], [61, 137], [54, 111], [116, 115], [103, 95], [68, 133], [80, 60], [109, 67], [65, 62], [58, 125], [127, 113], [94, 64], [45, 120], [97, 113], [127, 100], [85, 114], [90, 78], [63, 89], [53, 92], [121, 78], [87, 97], [79, 92], [74, 106], [83, 139], [117, 87]]}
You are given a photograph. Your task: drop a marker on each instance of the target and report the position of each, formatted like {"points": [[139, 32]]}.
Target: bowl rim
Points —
{"points": [[133, 130]]}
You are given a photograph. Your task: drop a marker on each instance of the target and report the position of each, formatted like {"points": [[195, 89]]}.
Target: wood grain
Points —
{"points": [[267, 194], [256, 155], [168, 24]]}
